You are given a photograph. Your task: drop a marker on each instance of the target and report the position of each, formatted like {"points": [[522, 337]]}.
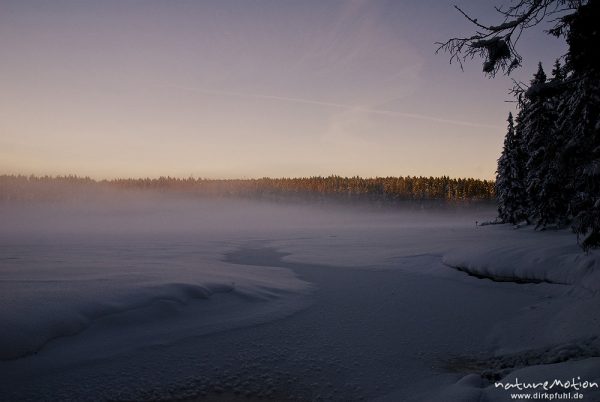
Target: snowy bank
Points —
{"points": [[39, 311], [131, 267], [53, 291], [524, 255]]}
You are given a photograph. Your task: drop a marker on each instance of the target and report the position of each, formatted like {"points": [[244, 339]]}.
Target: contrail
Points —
{"points": [[335, 105]]}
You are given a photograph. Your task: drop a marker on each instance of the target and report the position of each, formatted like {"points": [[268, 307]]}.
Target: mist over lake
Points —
{"points": [[232, 297]]}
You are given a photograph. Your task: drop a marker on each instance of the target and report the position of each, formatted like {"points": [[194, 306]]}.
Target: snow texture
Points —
{"points": [[227, 300]]}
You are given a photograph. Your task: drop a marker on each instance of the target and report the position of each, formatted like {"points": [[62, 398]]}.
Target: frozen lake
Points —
{"points": [[158, 298]]}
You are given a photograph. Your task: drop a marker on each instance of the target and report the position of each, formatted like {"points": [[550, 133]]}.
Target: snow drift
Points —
{"points": [[68, 270], [524, 255]]}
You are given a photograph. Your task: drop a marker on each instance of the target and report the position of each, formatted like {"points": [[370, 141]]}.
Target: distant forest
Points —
{"points": [[380, 189]]}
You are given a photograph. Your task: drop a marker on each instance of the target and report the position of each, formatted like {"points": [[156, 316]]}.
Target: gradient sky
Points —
{"points": [[248, 88]]}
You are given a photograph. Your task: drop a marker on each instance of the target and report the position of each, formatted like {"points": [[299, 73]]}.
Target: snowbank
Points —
{"points": [[60, 289], [525, 256]]}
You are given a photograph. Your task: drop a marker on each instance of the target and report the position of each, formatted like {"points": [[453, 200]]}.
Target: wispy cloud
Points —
{"points": [[343, 106]]}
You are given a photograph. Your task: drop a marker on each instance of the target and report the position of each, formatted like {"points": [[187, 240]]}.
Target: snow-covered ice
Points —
{"points": [[160, 298]]}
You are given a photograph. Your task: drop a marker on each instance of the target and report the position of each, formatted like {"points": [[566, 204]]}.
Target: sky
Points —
{"points": [[249, 88]]}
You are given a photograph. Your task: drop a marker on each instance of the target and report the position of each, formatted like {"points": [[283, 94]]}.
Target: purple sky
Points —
{"points": [[248, 88]]}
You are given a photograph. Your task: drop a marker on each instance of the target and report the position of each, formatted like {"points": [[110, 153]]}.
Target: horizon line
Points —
{"points": [[105, 179]]}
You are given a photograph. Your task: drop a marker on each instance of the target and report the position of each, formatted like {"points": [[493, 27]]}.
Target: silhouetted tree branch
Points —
{"points": [[497, 44]]}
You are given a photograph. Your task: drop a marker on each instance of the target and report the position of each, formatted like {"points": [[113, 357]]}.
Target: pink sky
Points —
{"points": [[224, 88]]}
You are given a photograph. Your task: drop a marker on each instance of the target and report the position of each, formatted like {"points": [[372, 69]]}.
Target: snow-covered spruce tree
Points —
{"points": [[568, 178], [537, 127], [548, 190], [579, 121], [558, 72], [510, 188], [581, 158], [554, 184]]}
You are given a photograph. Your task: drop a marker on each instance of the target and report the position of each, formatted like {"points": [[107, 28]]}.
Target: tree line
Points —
{"points": [[549, 170], [381, 189]]}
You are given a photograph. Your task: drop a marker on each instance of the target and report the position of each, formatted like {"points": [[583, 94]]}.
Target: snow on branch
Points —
{"points": [[496, 43]]}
